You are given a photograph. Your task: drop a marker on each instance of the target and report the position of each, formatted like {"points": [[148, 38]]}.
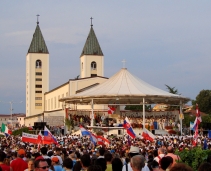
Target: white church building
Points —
{"points": [[42, 104]]}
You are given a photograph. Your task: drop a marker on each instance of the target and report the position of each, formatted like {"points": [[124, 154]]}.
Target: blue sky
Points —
{"points": [[163, 42]]}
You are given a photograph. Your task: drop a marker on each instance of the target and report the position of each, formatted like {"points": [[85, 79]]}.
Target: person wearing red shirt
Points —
{"points": [[2, 164], [19, 164]]}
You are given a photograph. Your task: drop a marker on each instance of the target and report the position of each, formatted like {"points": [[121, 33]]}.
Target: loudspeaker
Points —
{"points": [[39, 125], [153, 131]]}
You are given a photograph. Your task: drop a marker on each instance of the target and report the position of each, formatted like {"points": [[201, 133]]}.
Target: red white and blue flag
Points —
{"points": [[84, 132], [198, 119], [129, 128], [48, 137], [102, 141]]}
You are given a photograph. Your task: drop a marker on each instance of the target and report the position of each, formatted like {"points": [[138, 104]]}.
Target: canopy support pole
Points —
{"points": [[143, 113], [180, 114], [92, 114]]}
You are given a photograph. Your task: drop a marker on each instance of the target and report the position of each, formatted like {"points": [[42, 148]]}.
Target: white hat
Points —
{"points": [[134, 149]]}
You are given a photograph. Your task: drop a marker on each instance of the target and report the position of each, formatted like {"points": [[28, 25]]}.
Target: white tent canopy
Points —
{"points": [[125, 88]]}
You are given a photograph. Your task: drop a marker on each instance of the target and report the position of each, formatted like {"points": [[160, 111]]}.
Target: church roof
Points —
{"points": [[38, 43], [92, 46], [128, 89]]}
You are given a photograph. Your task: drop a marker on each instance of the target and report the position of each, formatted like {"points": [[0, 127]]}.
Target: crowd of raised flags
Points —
{"points": [[48, 138]]}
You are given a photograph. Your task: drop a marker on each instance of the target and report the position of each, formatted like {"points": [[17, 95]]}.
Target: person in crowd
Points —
{"points": [[166, 163], [137, 163], [102, 163], [161, 154], [94, 168], [41, 165], [30, 165], [154, 166], [205, 167], [108, 158], [117, 164], [85, 161], [44, 151], [67, 164], [56, 164], [57, 154], [2, 164], [19, 164], [101, 152], [133, 152], [181, 167], [170, 153]]}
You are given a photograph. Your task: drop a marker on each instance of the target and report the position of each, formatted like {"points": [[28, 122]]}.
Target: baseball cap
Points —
{"points": [[21, 152], [134, 149], [55, 159]]}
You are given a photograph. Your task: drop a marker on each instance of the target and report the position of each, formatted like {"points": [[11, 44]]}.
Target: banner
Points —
{"points": [[29, 138]]}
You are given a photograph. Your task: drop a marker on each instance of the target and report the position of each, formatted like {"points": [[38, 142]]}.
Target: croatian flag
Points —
{"points": [[48, 137], [129, 128], [102, 141], [111, 110]]}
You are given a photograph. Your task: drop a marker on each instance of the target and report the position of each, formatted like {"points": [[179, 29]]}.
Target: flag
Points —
{"points": [[39, 140], [93, 139], [129, 128], [205, 144], [198, 115], [209, 134], [29, 138], [84, 132], [5, 130], [147, 135], [111, 109], [102, 141], [48, 137], [191, 125]]}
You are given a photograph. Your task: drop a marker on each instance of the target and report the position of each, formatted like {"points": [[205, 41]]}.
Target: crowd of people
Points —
{"points": [[76, 153], [151, 122]]}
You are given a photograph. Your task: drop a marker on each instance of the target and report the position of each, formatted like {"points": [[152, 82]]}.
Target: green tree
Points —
{"points": [[172, 89], [203, 99]]}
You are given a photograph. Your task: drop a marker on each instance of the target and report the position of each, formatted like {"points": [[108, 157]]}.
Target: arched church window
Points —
{"points": [[93, 65], [38, 64]]}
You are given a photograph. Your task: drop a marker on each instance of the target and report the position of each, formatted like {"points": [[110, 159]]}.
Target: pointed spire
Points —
{"points": [[38, 43], [92, 46]]}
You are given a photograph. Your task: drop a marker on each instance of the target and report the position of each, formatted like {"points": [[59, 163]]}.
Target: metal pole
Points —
{"points": [[92, 115], [143, 113], [181, 117]]}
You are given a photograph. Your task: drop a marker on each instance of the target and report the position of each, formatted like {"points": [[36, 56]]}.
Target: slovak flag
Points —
{"points": [[48, 137], [102, 141], [111, 110], [129, 128], [147, 135]]}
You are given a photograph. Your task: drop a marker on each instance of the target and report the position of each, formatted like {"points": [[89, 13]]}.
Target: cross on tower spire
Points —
{"points": [[91, 21], [38, 18], [123, 62]]}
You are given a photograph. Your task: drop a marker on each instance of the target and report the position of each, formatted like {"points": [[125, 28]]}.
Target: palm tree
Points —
{"points": [[172, 90]]}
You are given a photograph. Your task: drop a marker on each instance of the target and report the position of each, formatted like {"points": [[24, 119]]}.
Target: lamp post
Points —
{"points": [[11, 109]]}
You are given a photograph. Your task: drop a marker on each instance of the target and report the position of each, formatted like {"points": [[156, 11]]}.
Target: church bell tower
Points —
{"points": [[37, 73], [91, 59]]}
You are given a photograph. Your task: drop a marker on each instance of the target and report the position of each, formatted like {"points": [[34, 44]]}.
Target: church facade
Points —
{"points": [[42, 104]]}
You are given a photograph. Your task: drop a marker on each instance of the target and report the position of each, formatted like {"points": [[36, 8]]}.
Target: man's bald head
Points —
{"points": [[137, 162], [170, 149]]}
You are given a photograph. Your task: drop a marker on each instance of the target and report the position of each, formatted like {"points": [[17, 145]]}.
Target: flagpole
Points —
{"points": [[143, 113], [92, 116]]}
